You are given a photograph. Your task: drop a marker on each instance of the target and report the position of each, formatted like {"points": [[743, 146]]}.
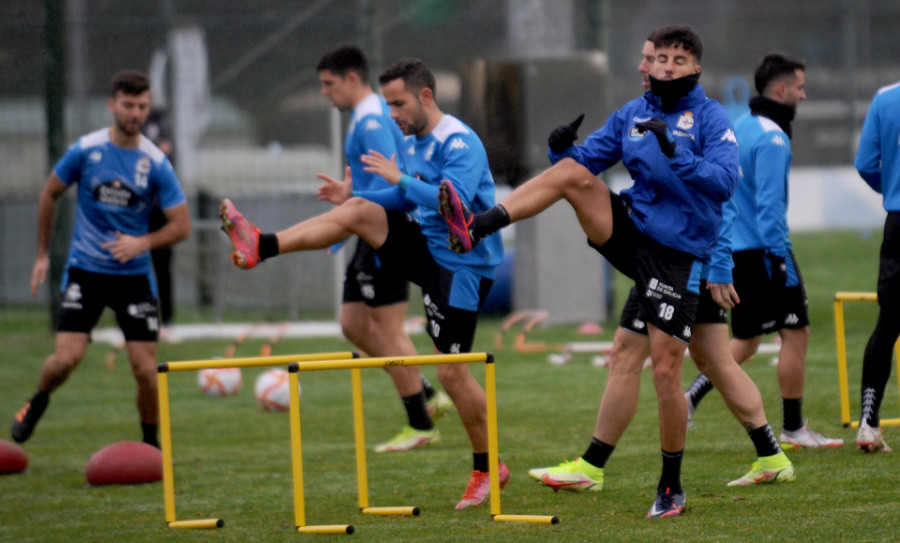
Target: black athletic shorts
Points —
{"points": [[708, 311], [405, 253], [889, 262], [366, 281], [667, 281], [131, 297], [766, 307]]}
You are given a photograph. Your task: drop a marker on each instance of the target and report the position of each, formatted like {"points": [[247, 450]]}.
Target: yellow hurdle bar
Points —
{"points": [[200, 523], [401, 510], [252, 361], [359, 436], [534, 519], [327, 529], [841, 343]]}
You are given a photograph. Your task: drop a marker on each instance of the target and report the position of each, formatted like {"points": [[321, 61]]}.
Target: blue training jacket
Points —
{"points": [[762, 194], [876, 159], [677, 201]]}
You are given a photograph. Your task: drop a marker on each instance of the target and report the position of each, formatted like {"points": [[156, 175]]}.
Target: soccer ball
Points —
{"points": [[220, 381], [272, 390]]}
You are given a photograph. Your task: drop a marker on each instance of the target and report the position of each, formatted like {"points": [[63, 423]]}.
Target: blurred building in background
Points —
{"points": [[239, 79]]}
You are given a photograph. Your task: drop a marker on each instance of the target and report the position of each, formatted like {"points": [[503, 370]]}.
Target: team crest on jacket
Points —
{"points": [[686, 121]]}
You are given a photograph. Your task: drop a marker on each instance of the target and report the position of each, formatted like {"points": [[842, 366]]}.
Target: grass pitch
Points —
{"points": [[233, 459]]}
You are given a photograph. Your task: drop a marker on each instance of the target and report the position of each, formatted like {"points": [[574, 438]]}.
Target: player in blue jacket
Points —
{"points": [[374, 302], [119, 173], [877, 163], [709, 348], [679, 147], [766, 274], [437, 147]]}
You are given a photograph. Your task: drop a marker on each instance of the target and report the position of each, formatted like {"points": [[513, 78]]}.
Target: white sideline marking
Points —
{"points": [[184, 332]]}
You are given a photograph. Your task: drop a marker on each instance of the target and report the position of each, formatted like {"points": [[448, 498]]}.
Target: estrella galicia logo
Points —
{"points": [[635, 134], [115, 193]]}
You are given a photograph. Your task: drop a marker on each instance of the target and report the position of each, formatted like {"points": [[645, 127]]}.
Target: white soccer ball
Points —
{"points": [[216, 382], [272, 390]]}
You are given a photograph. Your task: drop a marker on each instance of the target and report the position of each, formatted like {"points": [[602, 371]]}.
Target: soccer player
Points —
{"points": [[876, 162], [437, 147], [709, 350], [658, 232], [766, 274], [375, 302], [119, 173]]}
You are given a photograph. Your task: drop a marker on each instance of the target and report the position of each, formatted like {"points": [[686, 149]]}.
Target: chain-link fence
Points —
{"points": [[238, 81]]}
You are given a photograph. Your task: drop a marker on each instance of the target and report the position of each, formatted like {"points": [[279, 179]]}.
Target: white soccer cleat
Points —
{"points": [[870, 439], [804, 438]]}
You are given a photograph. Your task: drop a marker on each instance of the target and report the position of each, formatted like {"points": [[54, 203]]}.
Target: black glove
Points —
{"points": [[663, 135], [564, 136], [777, 270]]}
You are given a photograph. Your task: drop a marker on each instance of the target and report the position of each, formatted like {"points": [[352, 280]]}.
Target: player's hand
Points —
{"points": [[39, 273], [126, 247], [564, 136], [377, 163], [723, 294], [663, 135], [777, 270], [334, 191]]}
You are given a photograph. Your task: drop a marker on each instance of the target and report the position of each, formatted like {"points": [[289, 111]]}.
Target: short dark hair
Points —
{"points": [[675, 35], [415, 74], [775, 66], [346, 57], [129, 82]]}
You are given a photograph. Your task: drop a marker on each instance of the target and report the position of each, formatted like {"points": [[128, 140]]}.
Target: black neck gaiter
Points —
{"points": [[671, 91], [781, 114]]}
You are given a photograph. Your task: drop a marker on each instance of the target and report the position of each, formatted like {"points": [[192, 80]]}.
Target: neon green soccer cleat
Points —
{"points": [[768, 469], [408, 439], [438, 405], [578, 476]]}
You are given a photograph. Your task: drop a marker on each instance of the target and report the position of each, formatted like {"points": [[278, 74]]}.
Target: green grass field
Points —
{"points": [[233, 459]]}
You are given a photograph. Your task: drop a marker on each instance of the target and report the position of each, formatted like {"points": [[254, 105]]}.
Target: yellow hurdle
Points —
{"points": [[165, 420], [839, 332], [354, 365]]}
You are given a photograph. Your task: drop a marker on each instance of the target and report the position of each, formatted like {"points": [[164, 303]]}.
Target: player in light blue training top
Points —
{"points": [[119, 173], [437, 148], [878, 162], [374, 303], [767, 277]]}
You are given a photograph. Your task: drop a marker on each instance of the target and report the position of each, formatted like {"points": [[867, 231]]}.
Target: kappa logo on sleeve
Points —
{"points": [[729, 136], [778, 140], [373, 124], [458, 143]]}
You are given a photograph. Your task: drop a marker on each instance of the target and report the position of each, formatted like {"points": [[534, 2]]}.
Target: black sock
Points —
{"points": [[792, 414], [40, 400], [698, 389], [871, 407], [488, 222], [268, 246], [763, 439], [417, 412], [598, 453], [480, 462], [427, 387], [149, 431], [671, 472]]}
